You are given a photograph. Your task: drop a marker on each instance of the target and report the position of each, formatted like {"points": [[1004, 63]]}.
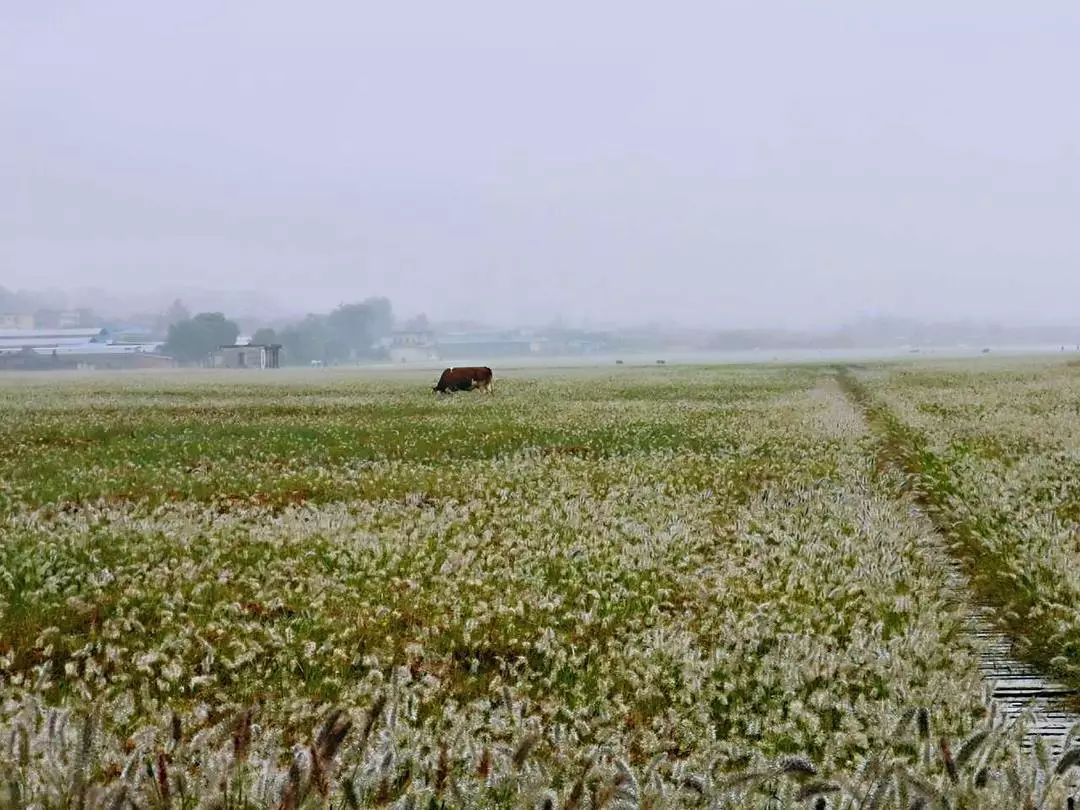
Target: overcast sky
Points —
{"points": [[715, 163]]}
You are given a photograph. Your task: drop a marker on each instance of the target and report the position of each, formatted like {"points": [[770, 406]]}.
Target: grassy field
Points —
{"points": [[644, 587], [995, 453]]}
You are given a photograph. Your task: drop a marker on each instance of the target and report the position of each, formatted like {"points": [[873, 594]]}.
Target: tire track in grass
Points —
{"points": [[1017, 688]]}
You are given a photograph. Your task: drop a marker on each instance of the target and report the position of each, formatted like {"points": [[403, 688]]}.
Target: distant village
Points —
{"points": [[78, 339], [367, 332]]}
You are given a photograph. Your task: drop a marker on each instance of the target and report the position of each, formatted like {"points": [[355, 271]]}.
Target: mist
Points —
{"points": [[724, 165]]}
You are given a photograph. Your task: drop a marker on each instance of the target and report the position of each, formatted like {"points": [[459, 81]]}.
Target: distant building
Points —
{"points": [[18, 339], [45, 349], [475, 346], [410, 346], [14, 320], [248, 355], [62, 318], [31, 360], [571, 342], [133, 334], [113, 357]]}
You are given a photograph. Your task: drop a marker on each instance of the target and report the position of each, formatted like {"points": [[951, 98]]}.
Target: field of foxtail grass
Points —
{"points": [[645, 588]]}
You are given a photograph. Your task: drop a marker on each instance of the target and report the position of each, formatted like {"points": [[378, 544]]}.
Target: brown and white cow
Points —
{"points": [[466, 378]]}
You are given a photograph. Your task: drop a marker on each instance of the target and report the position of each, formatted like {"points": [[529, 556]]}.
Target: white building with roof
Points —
{"points": [[75, 348], [16, 340]]}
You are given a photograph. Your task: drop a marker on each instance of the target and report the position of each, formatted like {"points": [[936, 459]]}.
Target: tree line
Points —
{"points": [[349, 333]]}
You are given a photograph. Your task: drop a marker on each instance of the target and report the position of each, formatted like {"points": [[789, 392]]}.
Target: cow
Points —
{"points": [[465, 378]]}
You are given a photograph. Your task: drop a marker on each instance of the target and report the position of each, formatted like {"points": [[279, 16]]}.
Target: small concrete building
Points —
{"points": [[248, 355], [410, 347]]}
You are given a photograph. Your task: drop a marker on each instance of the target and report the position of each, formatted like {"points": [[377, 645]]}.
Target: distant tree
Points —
{"points": [[87, 318], [176, 312], [355, 328], [192, 340], [349, 332], [418, 323], [26, 302], [382, 316], [264, 336], [46, 318], [305, 341]]}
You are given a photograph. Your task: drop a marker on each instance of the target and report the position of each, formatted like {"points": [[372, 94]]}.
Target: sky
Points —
{"points": [[718, 164]]}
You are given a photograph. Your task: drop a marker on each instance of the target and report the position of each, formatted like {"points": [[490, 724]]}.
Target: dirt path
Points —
{"points": [[1015, 687]]}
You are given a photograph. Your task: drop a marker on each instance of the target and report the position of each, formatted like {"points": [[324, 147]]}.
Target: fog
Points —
{"points": [[717, 164]]}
